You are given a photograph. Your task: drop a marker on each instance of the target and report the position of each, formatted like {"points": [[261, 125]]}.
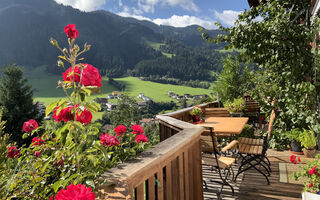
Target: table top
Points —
{"points": [[229, 125]]}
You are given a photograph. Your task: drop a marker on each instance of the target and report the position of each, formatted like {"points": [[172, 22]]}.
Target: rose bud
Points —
{"points": [[60, 63], [87, 47], [37, 153], [53, 42]]}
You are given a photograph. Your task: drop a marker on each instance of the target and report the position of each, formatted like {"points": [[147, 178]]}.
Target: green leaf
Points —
{"points": [[90, 183], [57, 185], [51, 107]]}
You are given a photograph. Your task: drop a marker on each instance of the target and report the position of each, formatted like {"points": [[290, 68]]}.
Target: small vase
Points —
{"points": [[195, 118], [296, 147], [309, 153]]}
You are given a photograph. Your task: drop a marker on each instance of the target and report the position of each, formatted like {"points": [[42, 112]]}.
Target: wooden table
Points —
{"points": [[225, 125]]}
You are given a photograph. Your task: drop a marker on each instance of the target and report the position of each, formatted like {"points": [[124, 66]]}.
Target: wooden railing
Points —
{"points": [[169, 170]]}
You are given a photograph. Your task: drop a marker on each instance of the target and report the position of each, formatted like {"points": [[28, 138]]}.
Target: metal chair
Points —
{"points": [[222, 164], [253, 152]]}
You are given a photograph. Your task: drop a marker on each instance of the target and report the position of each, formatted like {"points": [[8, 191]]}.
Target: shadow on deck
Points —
{"points": [[253, 186]]}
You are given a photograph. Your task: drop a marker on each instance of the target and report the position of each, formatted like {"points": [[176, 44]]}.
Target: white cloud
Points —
{"points": [[148, 6], [176, 21], [84, 5], [186, 20], [227, 17]]}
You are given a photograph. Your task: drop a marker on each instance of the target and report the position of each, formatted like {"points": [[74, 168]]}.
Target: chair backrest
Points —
{"points": [[217, 112], [252, 106], [271, 121]]}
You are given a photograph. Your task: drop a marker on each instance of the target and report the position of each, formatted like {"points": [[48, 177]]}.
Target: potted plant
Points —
{"points": [[197, 113], [236, 107], [309, 142], [309, 173], [293, 136]]}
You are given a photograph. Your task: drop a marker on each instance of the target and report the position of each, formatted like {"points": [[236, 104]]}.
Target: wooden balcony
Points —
{"points": [[173, 169]]}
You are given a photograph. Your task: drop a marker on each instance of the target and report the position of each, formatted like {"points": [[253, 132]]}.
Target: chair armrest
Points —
{"points": [[231, 145]]}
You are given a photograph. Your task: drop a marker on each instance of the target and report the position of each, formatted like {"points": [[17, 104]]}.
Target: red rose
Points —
{"points": [[75, 192], [137, 129], [141, 138], [71, 74], [120, 130], [85, 117], [37, 141], [310, 185], [313, 170], [13, 152], [30, 125], [91, 76], [64, 114], [71, 31], [51, 198], [293, 159], [109, 140], [37, 154]]}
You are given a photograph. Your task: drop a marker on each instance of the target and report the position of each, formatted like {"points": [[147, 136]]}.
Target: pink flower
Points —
{"points": [[71, 31], [137, 129], [109, 140], [13, 152], [120, 130], [37, 154], [30, 125], [75, 192], [64, 114], [37, 141], [141, 138], [85, 117]]}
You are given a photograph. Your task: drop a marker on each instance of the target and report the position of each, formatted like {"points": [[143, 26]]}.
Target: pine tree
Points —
{"points": [[16, 99]]}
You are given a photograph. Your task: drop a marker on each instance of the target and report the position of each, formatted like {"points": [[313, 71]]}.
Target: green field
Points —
{"points": [[45, 90]]}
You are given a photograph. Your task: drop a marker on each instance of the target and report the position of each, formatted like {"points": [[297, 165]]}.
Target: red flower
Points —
{"points": [[137, 129], [71, 31], [91, 76], [64, 114], [120, 130], [142, 138], [310, 185], [13, 152], [37, 153], [30, 125], [75, 192], [51, 198], [299, 160], [313, 170], [109, 140], [36, 141], [70, 74], [293, 159], [85, 117]]}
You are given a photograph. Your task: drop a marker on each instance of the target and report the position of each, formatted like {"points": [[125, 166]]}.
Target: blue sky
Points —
{"points": [[177, 13]]}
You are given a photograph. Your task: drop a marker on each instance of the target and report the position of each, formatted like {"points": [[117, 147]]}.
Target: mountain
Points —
{"points": [[118, 43]]}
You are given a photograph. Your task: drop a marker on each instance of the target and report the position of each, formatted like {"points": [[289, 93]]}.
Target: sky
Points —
{"points": [[178, 13]]}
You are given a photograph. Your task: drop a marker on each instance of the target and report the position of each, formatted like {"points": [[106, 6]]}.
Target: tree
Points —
{"points": [[126, 112], [276, 35], [16, 99]]}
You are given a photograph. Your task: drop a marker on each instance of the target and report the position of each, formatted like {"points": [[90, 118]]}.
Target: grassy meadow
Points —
{"points": [[45, 88]]}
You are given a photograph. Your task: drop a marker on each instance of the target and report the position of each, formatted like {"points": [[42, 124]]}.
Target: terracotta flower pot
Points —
{"points": [[309, 153]]}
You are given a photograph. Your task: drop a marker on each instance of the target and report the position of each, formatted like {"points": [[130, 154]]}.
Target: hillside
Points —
{"points": [[27, 26]]}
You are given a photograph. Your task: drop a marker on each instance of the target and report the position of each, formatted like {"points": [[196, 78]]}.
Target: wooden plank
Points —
{"points": [[175, 178], [186, 173], [160, 188], [181, 177], [140, 192], [197, 172], [191, 172], [151, 188], [168, 183]]}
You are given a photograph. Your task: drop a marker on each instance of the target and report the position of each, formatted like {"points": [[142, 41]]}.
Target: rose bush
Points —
{"points": [[69, 151]]}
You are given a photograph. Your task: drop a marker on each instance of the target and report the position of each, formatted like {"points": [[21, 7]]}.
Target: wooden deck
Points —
{"points": [[252, 185]]}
